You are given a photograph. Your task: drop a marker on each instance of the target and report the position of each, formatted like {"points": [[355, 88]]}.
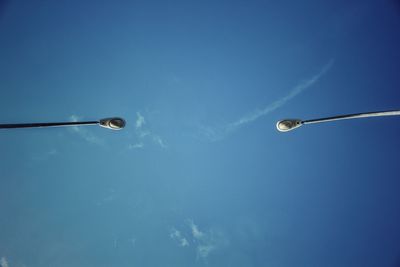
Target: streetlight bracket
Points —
{"points": [[288, 124], [112, 123]]}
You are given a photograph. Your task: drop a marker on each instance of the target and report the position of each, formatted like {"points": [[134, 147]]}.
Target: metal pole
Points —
{"points": [[109, 123], [290, 124], [354, 116], [46, 124]]}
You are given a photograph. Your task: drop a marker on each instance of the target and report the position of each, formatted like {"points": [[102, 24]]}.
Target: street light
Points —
{"points": [[290, 124], [109, 123]]}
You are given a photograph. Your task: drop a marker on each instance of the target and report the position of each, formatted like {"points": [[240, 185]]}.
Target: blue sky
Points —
{"points": [[200, 176]]}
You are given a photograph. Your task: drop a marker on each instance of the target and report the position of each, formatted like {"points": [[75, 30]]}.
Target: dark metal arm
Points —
{"points": [[354, 116], [46, 124]]}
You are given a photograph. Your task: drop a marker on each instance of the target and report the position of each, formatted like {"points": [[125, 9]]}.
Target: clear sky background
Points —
{"points": [[200, 176]]}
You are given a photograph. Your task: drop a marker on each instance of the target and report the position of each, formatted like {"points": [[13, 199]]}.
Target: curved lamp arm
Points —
{"points": [[109, 123], [290, 124]]}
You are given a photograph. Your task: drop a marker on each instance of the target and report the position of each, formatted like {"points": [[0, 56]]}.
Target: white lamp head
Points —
{"points": [[288, 124], [112, 123]]}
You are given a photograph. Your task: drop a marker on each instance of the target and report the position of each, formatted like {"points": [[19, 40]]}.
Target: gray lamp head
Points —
{"points": [[112, 123], [288, 124]]}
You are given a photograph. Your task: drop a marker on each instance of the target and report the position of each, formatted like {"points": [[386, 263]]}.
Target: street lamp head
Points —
{"points": [[112, 123], [288, 124]]}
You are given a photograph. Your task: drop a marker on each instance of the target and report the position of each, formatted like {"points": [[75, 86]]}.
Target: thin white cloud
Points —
{"points": [[3, 262], [84, 133], [195, 230], [177, 236], [219, 132], [204, 250], [143, 133], [136, 146], [184, 242], [157, 139], [203, 242], [207, 241], [280, 102], [139, 121], [74, 118]]}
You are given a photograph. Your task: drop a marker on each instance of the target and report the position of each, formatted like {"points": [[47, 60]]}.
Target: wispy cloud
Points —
{"points": [[204, 242], [85, 134], [195, 230], [177, 236], [136, 146], [157, 139], [280, 102], [3, 262], [143, 133], [219, 132], [207, 241], [139, 121]]}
